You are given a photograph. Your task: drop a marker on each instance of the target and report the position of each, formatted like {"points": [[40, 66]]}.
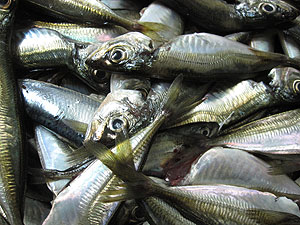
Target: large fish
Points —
{"points": [[65, 111], [10, 132]]}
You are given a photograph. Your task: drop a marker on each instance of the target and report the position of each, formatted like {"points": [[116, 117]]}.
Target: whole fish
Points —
{"points": [[83, 32], [220, 57], [83, 193], [11, 156], [239, 168], [92, 11], [203, 204], [219, 16], [66, 112]]}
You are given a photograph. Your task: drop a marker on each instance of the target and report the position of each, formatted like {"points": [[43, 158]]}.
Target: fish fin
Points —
{"points": [[79, 155], [76, 125], [124, 149], [275, 217], [151, 30], [168, 104]]}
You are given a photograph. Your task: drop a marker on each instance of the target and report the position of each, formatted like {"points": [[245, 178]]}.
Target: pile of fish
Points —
{"points": [[163, 112]]}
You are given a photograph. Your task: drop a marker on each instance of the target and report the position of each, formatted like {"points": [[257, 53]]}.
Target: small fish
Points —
{"points": [[66, 112], [220, 57], [273, 135], [11, 151], [199, 203], [94, 12], [83, 32], [219, 16], [40, 48], [84, 192], [239, 168]]}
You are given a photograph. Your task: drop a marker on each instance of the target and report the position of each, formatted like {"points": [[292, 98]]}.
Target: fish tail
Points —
{"points": [[151, 29], [137, 185]]}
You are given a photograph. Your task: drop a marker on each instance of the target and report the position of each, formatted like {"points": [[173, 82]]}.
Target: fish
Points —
{"points": [[220, 57], [83, 32], [221, 17], [58, 108], [263, 42], [238, 168], [11, 148], [40, 48], [160, 212], [159, 13], [93, 12], [199, 203], [228, 103], [83, 193], [273, 135], [53, 155], [290, 47]]}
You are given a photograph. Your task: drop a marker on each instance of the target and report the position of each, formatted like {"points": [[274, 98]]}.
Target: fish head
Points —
{"points": [[285, 82], [270, 12], [7, 8], [120, 110], [127, 53]]}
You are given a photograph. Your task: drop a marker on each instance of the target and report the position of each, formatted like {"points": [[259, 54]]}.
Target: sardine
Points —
{"points": [[263, 42], [11, 156], [64, 111], [220, 57]]}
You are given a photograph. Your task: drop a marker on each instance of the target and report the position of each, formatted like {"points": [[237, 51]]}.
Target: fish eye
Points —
{"points": [[5, 4], [117, 124], [296, 86], [205, 131], [117, 55], [268, 8]]}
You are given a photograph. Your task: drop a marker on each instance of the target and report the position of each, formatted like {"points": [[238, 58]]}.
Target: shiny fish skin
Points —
{"points": [[157, 12], [220, 58], [229, 105], [58, 108], [53, 155], [11, 155], [290, 47], [83, 193], [85, 11], [83, 33], [263, 42], [218, 16], [161, 212], [40, 48], [238, 168], [277, 134]]}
